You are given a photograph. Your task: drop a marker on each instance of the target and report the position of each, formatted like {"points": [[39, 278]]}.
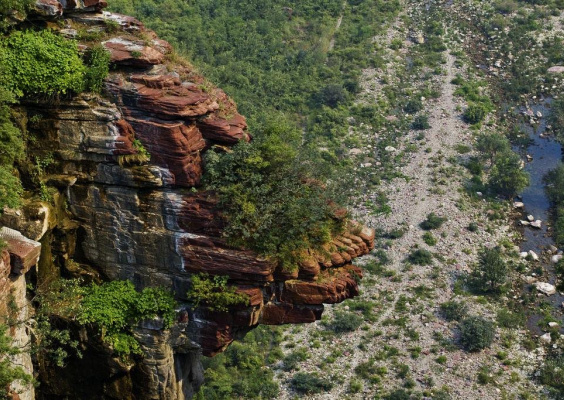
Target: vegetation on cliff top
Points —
{"points": [[114, 308]]}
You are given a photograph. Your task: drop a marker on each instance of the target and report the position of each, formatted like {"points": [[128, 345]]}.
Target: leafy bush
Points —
{"points": [[433, 221], [420, 257], [11, 150], [413, 106], [214, 293], [310, 383], [346, 322], [115, 307], [454, 310], [475, 113], [9, 373], [429, 239], [291, 360], [491, 145], [98, 65], [40, 63], [271, 200], [508, 319], [554, 187], [9, 7], [551, 372], [476, 333], [507, 176], [421, 122], [491, 271], [239, 372]]}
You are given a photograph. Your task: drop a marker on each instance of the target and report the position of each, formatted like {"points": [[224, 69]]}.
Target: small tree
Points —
{"points": [[490, 145], [475, 113], [476, 333], [491, 271], [507, 177]]}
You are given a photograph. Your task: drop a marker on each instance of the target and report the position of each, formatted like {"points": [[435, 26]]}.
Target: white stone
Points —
{"points": [[539, 114], [523, 254], [533, 255], [556, 258], [557, 69], [537, 224], [546, 338], [530, 218], [390, 149], [525, 223], [546, 288], [553, 324], [518, 204]]}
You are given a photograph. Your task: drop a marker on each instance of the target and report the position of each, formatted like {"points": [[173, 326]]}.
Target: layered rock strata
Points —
{"points": [[146, 219]]}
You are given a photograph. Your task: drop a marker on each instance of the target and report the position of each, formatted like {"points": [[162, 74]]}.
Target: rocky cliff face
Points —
{"points": [[146, 219]]}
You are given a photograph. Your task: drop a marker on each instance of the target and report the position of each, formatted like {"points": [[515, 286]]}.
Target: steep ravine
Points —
{"points": [[116, 215]]}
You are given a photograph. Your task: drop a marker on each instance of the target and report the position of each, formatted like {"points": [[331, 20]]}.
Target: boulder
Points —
{"points": [[546, 338], [557, 69], [545, 288], [518, 204], [537, 224], [534, 256], [555, 258]]}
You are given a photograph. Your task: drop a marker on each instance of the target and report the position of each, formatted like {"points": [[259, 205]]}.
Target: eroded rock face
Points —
{"points": [[16, 259], [148, 221]]}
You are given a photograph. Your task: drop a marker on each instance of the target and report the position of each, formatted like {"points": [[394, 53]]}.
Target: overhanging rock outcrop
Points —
{"points": [[146, 219]]}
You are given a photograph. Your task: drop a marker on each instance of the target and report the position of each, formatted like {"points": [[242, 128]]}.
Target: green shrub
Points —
{"points": [[40, 63], [429, 239], [310, 383], [355, 386], [11, 189], [291, 360], [115, 307], [413, 106], [551, 372], [98, 65], [8, 7], [271, 199], [490, 273], [420, 257], [433, 221], [10, 373], [454, 310], [476, 333], [472, 227], [214, 293], [420, 123], [475, 113], [508, 319], [506, 176], [346, 322]]}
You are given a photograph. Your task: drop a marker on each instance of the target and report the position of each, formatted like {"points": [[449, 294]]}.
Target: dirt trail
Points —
{"points": [[339, 22]]}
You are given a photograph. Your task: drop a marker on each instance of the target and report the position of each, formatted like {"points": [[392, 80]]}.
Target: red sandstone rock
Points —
{"points": [[285, 313], [173, 145], [133, 53], [334, 286], [49, 8], [24, 252], [224, 131]]}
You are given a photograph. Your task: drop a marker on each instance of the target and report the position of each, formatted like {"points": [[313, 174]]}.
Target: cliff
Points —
{"points": [[118, 214]]}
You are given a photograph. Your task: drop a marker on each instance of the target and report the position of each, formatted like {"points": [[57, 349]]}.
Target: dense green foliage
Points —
{"points": [[490, 273], [454, 310], [9, 372], [40, 63], [97, 67], [554, 182], [11, 150], [239, 372], [271, 198], [114, 308], [214, 293], [420, 257], [346, 322], [433, 221], [476, 333], [306, 383], [556, 118], [551, 373], [10, 7]]}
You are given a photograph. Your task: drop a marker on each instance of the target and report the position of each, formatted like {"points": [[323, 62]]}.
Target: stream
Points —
{"points": [[546, 155]]}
